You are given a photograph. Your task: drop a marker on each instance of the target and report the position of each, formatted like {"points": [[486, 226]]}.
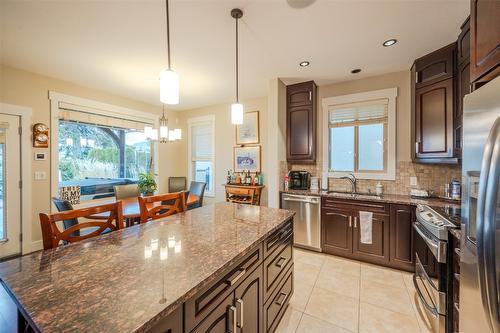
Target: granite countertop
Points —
{"points": [[387, 198], [457, 233], [122, 281]]}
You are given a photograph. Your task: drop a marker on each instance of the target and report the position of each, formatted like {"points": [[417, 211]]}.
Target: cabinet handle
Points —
{"points": [[350, 221], [281, 262], [231, 317], [310, 95], [280, 303], [239, 309], [355, 222], [237, 277]]}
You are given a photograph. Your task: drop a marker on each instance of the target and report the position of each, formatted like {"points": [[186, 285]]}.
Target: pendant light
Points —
{"points": [[237, 107], [163, 127], [169, 80]]}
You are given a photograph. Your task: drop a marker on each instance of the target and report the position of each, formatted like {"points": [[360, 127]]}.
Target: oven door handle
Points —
{"points": [[437, 248]]}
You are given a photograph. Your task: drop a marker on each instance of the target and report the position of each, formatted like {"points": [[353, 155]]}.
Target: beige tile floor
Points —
{"points": [[337, 295]]}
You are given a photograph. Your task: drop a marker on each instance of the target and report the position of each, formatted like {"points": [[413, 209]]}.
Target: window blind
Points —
{"points": [[201, 139], [358, 113], [82, 114]]}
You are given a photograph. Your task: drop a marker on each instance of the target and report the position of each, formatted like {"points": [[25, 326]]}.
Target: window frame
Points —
{"points": [[190, 123], [389, 172]]}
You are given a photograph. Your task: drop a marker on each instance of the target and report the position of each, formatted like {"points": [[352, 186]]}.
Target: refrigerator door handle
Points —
{"points": [[486, 226]]}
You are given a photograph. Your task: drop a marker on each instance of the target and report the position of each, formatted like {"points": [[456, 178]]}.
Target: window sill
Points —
{"points": [[361, 175]]}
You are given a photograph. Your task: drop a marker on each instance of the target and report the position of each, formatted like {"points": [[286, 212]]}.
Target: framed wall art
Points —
{"points": [[246, 158], [248, 132]]}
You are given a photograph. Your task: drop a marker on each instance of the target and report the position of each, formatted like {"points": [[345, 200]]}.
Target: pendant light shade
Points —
{"points": [[169, 80], [236, 113], [169, 87], [237, 107]]}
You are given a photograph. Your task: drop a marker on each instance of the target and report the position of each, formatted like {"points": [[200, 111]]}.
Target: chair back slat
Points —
{"points": [[169, 204], [52, 236]]}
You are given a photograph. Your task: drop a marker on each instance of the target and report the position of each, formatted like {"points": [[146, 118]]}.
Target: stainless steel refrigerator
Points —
{"points": [[480, 248]]}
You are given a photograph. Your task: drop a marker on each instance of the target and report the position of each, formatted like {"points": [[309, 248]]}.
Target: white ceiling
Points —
{"points": [[119, 46]]}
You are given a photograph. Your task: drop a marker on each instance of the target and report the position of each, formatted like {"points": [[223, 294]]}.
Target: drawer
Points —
{"points": [[277, 304], [276, 264], [170, 324], [370, 206], [278, 238], [204, 302]]}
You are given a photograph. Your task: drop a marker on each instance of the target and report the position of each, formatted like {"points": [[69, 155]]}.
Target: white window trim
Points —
{"points": [[104, 109], [190, 122], [25, 113], [390, 94]]}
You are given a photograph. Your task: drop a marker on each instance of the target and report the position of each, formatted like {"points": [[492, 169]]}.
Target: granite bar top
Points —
{"points": [[386, 198], [127, 280]]}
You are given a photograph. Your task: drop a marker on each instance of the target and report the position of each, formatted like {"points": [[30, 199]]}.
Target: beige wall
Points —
{"points": [[400, 80], [225, 140], [23, 88]]}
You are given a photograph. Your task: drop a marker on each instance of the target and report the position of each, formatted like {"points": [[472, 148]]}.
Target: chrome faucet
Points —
{"points": [[352, 179]]}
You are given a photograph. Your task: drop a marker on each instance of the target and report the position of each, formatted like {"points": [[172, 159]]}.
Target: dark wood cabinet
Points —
{"points": [[463, 43], [434, 122], [392, 242], [336, 225], [401, 241], [170, 324], [220, 320], [378, 250], [485, 40], [301, 122], [435, 67], [249, 304], [276, 305]]}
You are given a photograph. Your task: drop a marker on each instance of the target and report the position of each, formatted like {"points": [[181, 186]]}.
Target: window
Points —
{"points": [[360, 137], [98, 157], [201, 152]]}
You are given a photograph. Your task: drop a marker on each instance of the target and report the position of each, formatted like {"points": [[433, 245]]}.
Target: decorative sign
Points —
{"points": [[247, 159], [248, 132], [40, 136], [71, 194]]}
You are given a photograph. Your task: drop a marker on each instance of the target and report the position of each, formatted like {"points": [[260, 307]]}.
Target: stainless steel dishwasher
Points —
{"points": [[307, 221]]}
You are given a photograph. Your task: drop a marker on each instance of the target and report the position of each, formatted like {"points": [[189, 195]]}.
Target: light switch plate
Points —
{"points": [[40, 175], [413, 181]]}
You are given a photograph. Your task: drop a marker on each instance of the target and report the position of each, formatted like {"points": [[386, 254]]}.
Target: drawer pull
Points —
{"points": [[232, 281], [231, 327], [281, 262], [282, 301], [239, 309]]}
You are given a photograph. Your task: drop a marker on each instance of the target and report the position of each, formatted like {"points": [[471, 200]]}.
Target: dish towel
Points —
{"points": [[365, 224]]}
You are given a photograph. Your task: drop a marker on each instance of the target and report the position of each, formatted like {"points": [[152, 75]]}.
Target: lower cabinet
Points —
{"points": [[391, 235], [248, 299], [220, 320]]}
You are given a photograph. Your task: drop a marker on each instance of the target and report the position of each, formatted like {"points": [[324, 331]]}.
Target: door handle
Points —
{"points": [[355, 222], [239, 309], [282, 301], [350, 221], [231, 317]]}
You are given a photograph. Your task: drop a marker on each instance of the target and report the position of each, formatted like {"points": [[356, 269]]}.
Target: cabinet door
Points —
{"points": [[337, 231], [378, 250], [301, 122], [221, 320], [485, 40], [463, 43], [463, 88], [401, 237], [434, 120], [249, 303], [435, 66]]}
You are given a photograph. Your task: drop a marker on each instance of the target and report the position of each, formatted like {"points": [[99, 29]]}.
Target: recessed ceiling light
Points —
{"points": [[390, 42], [304, 63], [356, 71]]}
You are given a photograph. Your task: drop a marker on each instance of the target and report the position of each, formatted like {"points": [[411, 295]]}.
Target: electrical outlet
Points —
{"points": [[413, 181], [40, 175]]}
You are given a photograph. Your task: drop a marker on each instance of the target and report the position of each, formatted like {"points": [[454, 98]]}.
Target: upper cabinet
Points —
{"points": [[301, 122], [435, 66], [433, 91], [485, 40]]}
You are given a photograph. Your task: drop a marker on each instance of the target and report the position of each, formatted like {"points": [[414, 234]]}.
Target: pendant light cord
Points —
{"points": [[237, 76], [168, 33]]}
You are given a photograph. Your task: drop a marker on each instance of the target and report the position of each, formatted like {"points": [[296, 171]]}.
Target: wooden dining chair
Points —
{"points": [[162, 205], [53, 236]]}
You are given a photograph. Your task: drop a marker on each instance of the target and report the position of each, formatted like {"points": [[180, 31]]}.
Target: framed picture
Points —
{"points": [[247, 158], [248, 132]]}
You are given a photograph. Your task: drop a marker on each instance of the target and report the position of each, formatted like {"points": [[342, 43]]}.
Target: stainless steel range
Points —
{"points": [[431, 251]]}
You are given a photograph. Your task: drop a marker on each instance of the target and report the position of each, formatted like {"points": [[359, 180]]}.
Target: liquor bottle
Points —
{"points": [[228, 178]]}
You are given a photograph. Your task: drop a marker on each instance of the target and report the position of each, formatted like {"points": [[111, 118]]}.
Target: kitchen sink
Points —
{"points": [[355, 194]]}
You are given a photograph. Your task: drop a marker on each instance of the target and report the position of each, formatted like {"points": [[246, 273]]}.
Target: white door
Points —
{"points": [[10, 192]]}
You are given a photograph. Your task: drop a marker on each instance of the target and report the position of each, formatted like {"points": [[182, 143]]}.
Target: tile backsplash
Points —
{"points": [[430, 177]]}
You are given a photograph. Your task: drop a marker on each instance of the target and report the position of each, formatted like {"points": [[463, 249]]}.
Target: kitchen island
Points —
{"points": [[217, 268]]}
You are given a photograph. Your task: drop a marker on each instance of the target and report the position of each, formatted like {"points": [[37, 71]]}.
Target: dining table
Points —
{"points": [[130, 206]]}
